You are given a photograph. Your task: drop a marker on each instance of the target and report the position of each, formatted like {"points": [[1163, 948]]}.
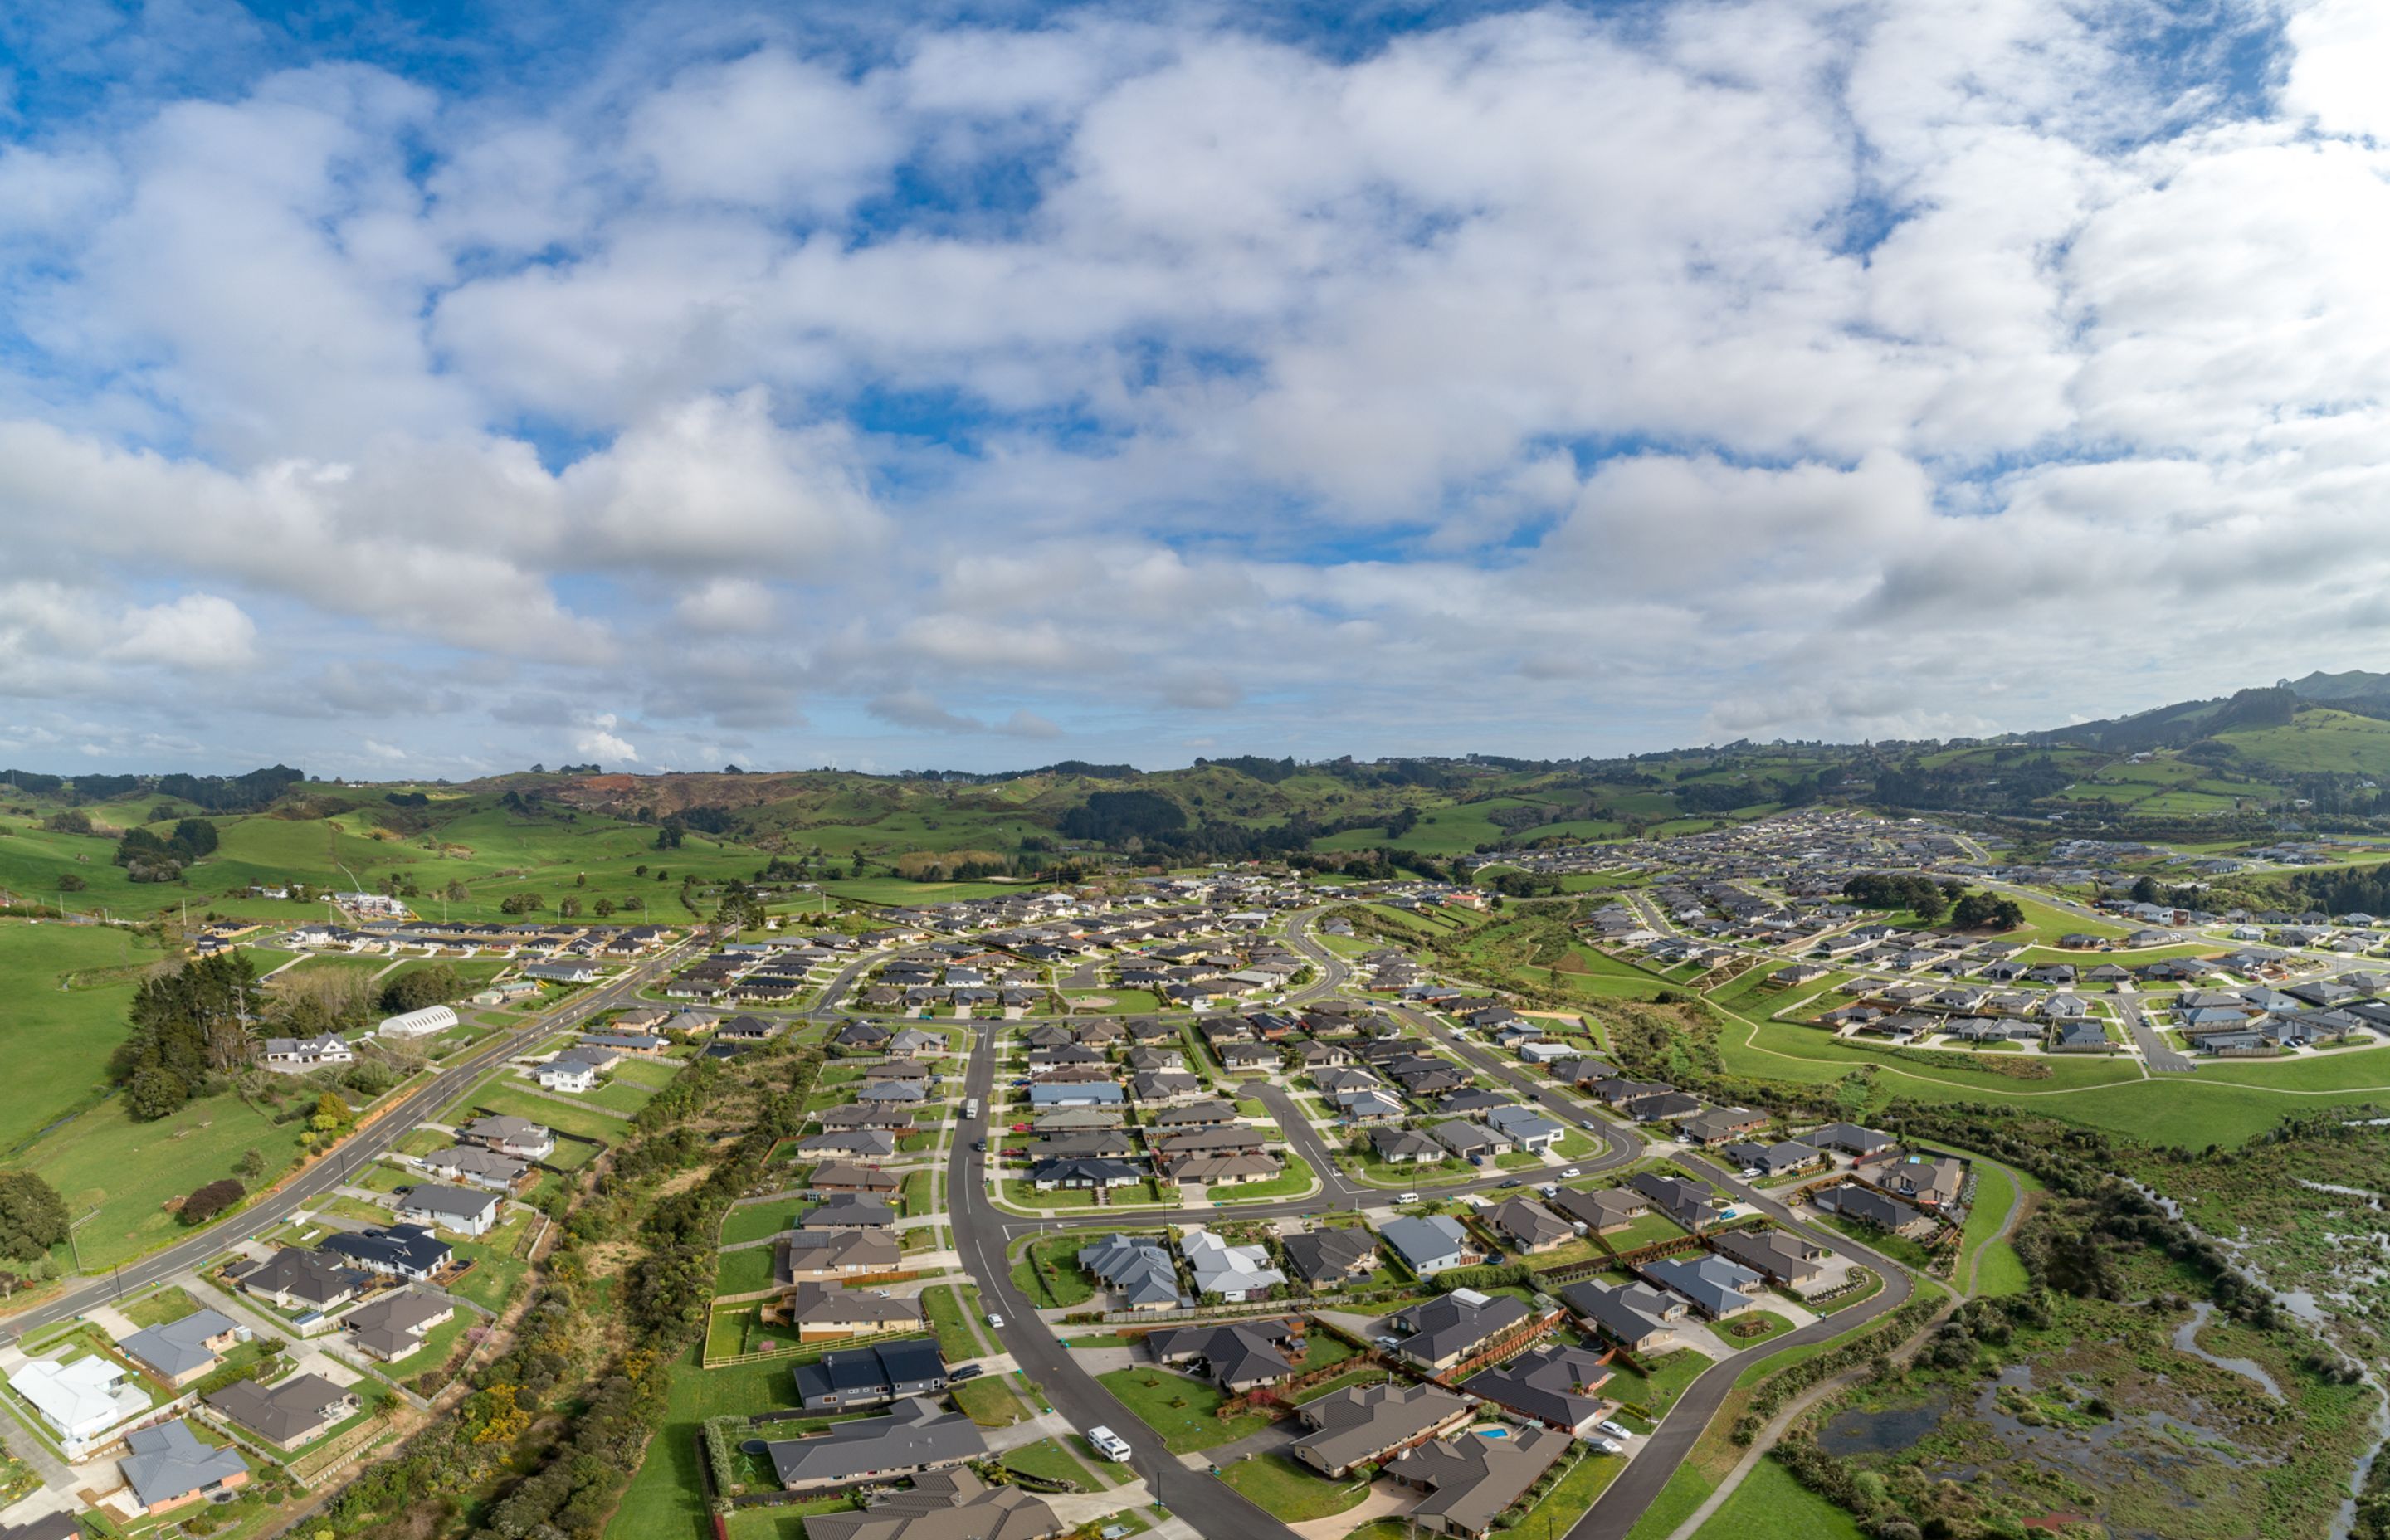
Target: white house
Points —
{"points": [[82, 1402], [575, 1070], [295, 1055], [419, 1024]]}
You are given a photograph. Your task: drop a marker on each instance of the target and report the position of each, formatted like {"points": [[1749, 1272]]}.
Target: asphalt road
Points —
{"points": [[1215, 1509], [203, 1244], [1623, 1503], [2156, 1053]]}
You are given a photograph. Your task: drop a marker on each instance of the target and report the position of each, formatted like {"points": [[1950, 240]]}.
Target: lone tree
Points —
{"points": [[211, 1200], [32, 1215]]}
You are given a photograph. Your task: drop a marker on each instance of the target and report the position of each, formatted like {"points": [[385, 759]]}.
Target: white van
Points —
{"points": [[970, 1108], [1111, 1446]]}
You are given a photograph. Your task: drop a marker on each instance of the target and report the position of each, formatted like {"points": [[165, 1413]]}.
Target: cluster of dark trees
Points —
{"points": [[422, 988], [1930, 900], [191, 1030], [1969, 784], [32, 1216], [149, 857], [2347, 890]]}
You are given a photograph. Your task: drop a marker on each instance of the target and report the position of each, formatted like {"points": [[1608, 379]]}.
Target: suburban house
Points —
{"points": [[942, 1504], [1558, 1386], [823, 1256], [1929, 1181], [1771, 1159], [1472, 1142], [1849, 1138], [82, 1402], [574, 1071], [847, 1211], [466, 1211], [1526, 1129], [819, 1312], [1236, 1358], [1690, 1205], [1470, 1481], [1072, 1172], [1869, 1206], [298, 1411], [180, 1352], [840, 1176], [396, 1324], [476, 1166], [1715, 1125], [168, 1467], [294, 1279], [520, 1137], [1601, 1209], [409, 1252], [1717, 1287], [1331, 1256], [916, 1437], [1397, 1146], [1440, 1333], [1635, 1316], [1139, 1270], [1369, 1424], [1235, 1273], [1784, 1258], [1532, 1226], [298, 1055], [867, 1376], [1431, 1245]]}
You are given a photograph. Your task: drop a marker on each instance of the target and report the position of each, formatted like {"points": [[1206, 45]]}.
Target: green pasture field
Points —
{"points": [[59, 1039]]}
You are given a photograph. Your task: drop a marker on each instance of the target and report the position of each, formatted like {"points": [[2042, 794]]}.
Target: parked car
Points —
{"points": [[1572, 1171], [1614, 1428], [1549, 1189], [1751, 1173], [1406, 1198], [967, 1371], [996, 1320], [1607, 1445], [1020, 1128]]}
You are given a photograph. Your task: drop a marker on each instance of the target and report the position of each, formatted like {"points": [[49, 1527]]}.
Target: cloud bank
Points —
{"points": [[936, 387]]}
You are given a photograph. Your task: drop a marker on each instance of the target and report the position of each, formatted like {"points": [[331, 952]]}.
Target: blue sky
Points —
{"points": [[431, 393]]}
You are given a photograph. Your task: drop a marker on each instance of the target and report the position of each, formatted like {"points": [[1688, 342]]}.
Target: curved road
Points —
{"points": [[365, 1144]]}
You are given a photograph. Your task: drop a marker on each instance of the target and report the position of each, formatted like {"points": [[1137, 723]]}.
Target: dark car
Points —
{"points": [[979, 1146], [1515, 1182], [967, 1371]]}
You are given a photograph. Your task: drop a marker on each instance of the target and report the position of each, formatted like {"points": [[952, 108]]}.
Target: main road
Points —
{"points": [[394, 1124]]}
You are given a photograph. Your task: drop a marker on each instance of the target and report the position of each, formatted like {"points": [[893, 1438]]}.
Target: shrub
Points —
{"points": [[211, 1200]]}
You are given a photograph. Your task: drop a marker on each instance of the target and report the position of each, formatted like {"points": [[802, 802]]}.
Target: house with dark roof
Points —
{"points": [[1600, 1210], [397, 1323], [1440, 1333], [1470, 1481], [1371, 1424], [1716, 1125], [1431, 1244], [1636, 1316], [1074, 1172], [1785, 1259], [1331, 1256], [1236, 1357], [1404, 1146], [819, 1312], [942, 1504], [1557, 1385], [466, 1211], [914, 1438], [869, 1376], [296, 1412], [520, 1137], [1771, 1159], [293, 1279], [1525, 1127], [848, 1211], [475, 1166], [1694, 1207], [824, 1256], [1530, 1226], [1849, 1138]]}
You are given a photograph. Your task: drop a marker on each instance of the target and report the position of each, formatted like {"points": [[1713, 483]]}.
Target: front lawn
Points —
{"points": [[1183, 1411], [757, 1221], [1733, 1333], [1658, 1390], [1295, 1180], [946, 1312], [1066, 1283], [1279, 1486], [1050, 1460], [989, 1401]]}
